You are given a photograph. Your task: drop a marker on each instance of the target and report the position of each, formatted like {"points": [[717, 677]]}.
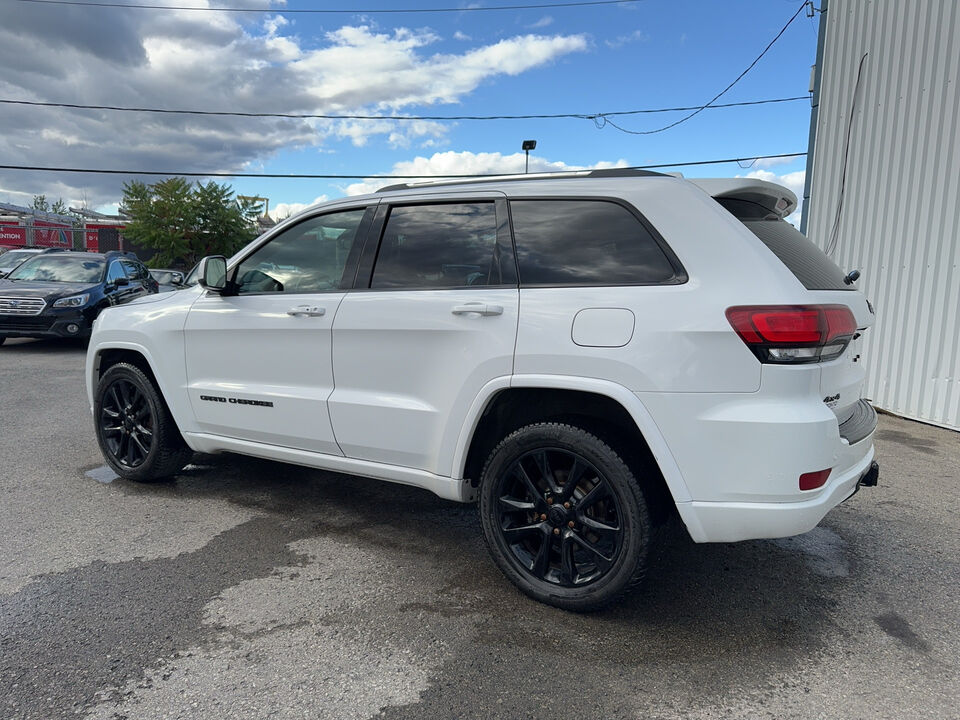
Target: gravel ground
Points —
{"points": [[248, 589]]}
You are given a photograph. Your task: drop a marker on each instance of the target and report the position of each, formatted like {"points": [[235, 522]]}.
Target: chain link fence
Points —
{"points": [[51, 236]]}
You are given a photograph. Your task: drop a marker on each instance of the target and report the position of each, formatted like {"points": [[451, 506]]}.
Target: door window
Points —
{"points": [[131, 269], [309, 257], [439, 246]]}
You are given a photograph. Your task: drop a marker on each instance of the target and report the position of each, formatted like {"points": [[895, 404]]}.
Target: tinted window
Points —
{"points": [[439, 246], [806, 261], [133, 270], [115, 271], [585, 242], [308, 257]]}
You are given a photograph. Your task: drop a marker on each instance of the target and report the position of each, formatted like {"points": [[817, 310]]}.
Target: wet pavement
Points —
{"points": [[249, 589]]}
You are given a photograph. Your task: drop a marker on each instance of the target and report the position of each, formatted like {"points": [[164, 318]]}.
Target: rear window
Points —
{"points": [[805, 260], [586, 242]]}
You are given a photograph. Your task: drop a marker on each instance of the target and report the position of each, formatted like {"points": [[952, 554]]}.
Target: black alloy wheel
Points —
{"points": [[127, 423], [559, 518], [137, 435], [564, 517]]}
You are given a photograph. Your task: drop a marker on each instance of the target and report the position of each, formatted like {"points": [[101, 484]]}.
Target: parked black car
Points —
{"points": [[60, 294]]}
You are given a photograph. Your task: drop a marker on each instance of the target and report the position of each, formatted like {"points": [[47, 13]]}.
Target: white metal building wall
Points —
{"points": [[900, 220]]}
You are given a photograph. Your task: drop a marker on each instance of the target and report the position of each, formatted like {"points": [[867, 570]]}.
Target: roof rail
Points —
{"points": [[572, 174]]}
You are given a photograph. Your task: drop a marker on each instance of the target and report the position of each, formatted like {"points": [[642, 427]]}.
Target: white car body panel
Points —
{"points": [[231, 353], [408, 370], [392, 384]]}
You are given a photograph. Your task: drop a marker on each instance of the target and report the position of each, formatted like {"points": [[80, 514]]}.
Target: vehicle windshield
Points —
{"points": [[15, 257], [60, 268]]}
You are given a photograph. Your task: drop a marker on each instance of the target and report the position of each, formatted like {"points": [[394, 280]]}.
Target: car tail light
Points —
{"points": [[794, 333], [813, 480]]}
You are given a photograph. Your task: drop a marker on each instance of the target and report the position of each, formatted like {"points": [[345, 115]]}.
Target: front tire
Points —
{"points": [[136, 433], [564, 517]]}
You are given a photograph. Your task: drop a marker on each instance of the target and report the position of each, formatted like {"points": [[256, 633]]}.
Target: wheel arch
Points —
{"points": [[104, 357], [599, 406]]}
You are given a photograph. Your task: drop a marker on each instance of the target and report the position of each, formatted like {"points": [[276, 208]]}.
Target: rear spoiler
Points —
{"points": [[775, 198]]}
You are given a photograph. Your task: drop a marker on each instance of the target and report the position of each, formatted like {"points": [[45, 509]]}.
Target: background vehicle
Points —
{"points": [[587, 356], [168, 280], [60, 294]]}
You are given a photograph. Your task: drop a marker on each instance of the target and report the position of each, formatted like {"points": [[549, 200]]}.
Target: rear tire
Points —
{"points": [[564, 517], [135, 430]]}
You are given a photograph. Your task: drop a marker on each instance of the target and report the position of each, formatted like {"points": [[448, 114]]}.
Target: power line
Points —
{"points": [[101, 171], [580, 116], [722, 92], [336, 11]]}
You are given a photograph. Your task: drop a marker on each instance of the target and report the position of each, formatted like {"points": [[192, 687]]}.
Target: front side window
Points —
{"points": [[131, 269], [439, 246], [585, 242], [306, 258], [115, 272]]}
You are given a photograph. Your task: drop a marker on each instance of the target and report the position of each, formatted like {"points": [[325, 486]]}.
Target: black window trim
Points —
{"points": [[679, 276], [507, 259], [349, 268]]}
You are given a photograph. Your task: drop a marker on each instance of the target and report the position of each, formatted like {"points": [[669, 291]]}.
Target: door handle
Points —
{"points": [[478, 308], [306, 311]]}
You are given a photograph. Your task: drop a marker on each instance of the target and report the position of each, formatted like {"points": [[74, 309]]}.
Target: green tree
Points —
{"points": [[59, 207], [185, 222], [40, 203]]}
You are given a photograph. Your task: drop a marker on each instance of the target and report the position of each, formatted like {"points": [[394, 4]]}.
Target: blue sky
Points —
{"points": [[646, 54]]}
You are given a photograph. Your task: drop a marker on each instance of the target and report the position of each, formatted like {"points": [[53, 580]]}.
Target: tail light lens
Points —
{"points": [[794, 333]]}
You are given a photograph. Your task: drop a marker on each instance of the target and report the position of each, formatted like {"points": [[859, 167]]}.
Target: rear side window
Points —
{"points": [[439, 246], [586, 242], [805, 260]]}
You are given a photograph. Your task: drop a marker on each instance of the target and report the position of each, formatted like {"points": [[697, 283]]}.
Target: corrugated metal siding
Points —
{"points": [[900, 223]]}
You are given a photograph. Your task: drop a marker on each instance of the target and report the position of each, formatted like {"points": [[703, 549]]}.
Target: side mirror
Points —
{"points": [[177, 278], [121, 282], [213, 273]]}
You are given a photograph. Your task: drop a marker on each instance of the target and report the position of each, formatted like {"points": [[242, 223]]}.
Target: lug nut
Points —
{"points": [[571, 524], [549, 501], [542, 518], [566, 505], [556, 531]]}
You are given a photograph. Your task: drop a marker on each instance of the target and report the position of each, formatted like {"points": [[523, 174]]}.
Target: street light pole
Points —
{"points": [[527, 146]]}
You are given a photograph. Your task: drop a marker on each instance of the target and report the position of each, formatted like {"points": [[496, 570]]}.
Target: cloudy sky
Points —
{"points": [[638, 55]]}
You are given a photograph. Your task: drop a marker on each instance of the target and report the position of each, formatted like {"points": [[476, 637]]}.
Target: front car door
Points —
{"points": [[432, 320], [259, 362]]}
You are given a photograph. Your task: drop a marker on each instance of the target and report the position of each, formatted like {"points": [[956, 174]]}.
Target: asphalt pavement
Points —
{"points": [[250, 589]]}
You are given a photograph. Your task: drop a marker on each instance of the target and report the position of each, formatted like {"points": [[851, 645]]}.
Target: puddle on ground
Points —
{"points": [[824, 551], [102, 474]]}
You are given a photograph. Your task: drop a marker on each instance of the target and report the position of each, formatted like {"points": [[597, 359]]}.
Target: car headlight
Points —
{"points": [[72, 301]]}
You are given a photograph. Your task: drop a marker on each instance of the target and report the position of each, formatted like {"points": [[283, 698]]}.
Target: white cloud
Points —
{"points": [[620, 41], [284, 210], [222, 61], [461, 36], [773, 162], [543, 22], [446, 164], [792, 181]]}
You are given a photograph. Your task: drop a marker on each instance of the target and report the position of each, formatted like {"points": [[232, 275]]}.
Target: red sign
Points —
{"points": [[13, 235], [91, 239]]}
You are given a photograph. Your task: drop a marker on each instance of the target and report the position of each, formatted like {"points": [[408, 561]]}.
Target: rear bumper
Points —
{"points": [[733, 521]]}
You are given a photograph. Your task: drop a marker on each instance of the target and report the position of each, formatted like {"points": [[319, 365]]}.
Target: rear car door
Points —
{"points": [[433, 318], [259, 362]]}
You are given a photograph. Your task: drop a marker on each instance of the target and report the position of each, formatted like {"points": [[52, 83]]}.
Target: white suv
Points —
{"points": [[585, 355]]}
